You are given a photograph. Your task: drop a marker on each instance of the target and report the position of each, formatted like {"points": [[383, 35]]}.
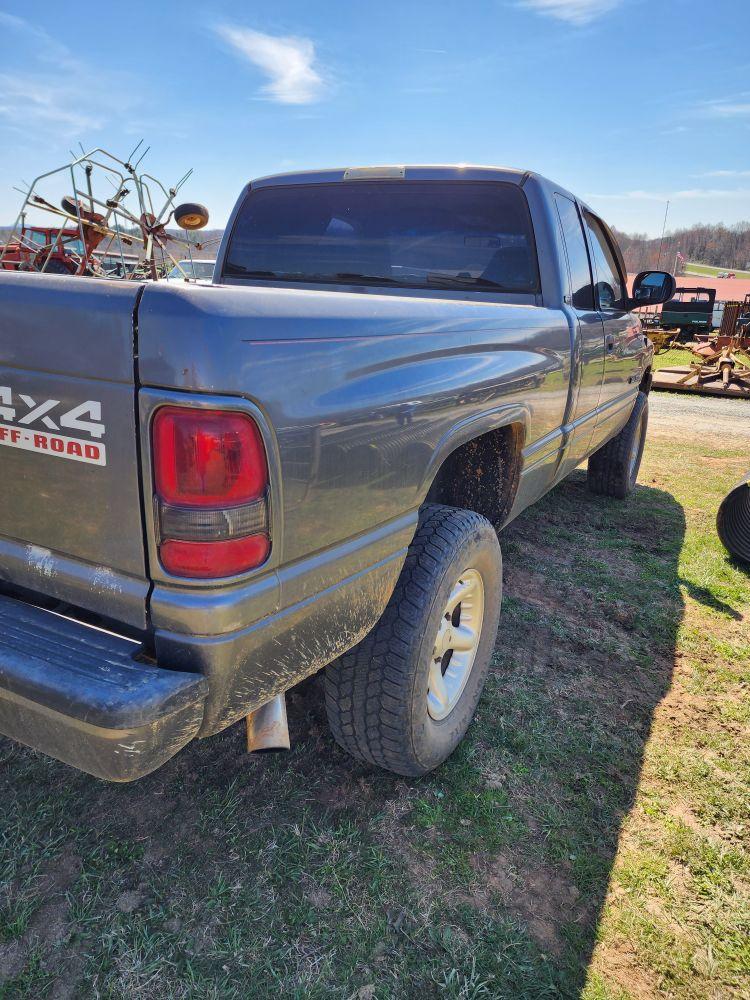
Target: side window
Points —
{"points": [[578, 255], [609, 284]]}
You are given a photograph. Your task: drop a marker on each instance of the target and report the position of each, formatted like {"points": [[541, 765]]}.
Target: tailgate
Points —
{"points": [[70, 516]]}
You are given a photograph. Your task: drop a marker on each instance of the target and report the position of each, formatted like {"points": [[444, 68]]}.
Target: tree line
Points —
{"points": [[717, 245]]}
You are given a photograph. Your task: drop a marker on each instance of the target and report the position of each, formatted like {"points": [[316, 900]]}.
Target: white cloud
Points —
{"points": [[31, 100], [288, 62], [723, 173], [46, 48], [729, 110], [727, 107], [47, 91], [578, 12]]}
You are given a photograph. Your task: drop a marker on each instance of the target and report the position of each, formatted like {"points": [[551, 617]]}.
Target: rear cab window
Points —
{"points": [[474, 235]]}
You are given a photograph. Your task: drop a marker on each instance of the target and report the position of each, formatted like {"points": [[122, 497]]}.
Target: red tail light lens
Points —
{"points": [[214, 559], [207, 458], [211, 479]]}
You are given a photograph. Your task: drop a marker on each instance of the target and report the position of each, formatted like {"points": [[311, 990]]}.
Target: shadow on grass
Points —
{"points": [[704, 596], [310, 876], [585, 656]]}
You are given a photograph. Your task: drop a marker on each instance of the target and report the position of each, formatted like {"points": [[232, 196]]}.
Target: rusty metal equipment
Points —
{"points": [[110, 207], [722, 363], [733, 521], [663, 338]]}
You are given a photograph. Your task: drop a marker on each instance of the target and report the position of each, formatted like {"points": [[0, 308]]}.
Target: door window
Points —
{"points": [[610, 287], [578, 255]]}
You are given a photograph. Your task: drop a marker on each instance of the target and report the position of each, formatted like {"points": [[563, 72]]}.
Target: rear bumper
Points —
{"points": [[77, 694], [249, 667], [250, 649]]}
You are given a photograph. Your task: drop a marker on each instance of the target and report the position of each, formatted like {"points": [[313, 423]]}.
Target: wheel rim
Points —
{"points": [[455, 646]]}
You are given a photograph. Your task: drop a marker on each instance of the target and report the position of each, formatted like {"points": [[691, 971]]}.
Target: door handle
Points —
{"points": [[609, 341]]}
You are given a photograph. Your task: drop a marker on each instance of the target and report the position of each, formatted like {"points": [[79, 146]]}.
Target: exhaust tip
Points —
{"points": [[733, 521], [267, 729]]}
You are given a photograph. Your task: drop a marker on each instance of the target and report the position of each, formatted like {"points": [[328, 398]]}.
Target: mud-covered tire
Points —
{"points": [[613, 469], [377, 693]]}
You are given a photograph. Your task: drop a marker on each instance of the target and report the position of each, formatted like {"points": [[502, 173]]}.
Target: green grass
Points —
{"points": [[672, 358], [588, 840], [707, 269]]}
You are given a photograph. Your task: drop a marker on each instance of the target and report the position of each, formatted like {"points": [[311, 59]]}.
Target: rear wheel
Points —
{"points": [[613, 469], [404, 697]]}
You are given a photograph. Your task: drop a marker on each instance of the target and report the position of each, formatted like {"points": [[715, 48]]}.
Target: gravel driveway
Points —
{"points": [[699, 414]]}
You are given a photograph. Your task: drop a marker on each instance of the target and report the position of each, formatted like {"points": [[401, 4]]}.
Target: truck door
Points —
{"points": [[588, 347], [622, 332]]}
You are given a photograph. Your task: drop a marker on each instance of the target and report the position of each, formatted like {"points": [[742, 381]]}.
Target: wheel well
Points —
{"points": [[648, 377], [482, 474]]}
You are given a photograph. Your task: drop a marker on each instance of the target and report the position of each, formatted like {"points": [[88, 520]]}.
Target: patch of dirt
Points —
{"points": [[681, 812], [69, 972], [12, 959], [543, 898], [617, 963], [130, 901], [320, 898], [342, 795], [526, 585], [680, 710], [392, 835], [49, 926]]}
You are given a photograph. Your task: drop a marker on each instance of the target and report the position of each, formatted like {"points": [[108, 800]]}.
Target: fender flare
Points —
{"points": [[471, 427]]}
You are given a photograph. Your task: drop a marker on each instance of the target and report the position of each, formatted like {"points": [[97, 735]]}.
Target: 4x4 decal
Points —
{"points": [[22, 417]]}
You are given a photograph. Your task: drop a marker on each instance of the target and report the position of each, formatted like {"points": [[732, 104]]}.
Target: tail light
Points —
{"points": [[211, 482]]}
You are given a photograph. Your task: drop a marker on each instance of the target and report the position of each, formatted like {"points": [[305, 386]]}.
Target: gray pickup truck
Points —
{"points": [[211, 492]]}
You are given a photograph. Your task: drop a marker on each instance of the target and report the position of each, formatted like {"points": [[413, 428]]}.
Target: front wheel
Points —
{"points": [[404, 697], [613, 469]]}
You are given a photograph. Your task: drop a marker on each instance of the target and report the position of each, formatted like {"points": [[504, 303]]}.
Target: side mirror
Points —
{"points": [[652, 288], [191, 216]]}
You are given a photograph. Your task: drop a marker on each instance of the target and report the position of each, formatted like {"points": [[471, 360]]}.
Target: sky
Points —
{"points": [[628, 103]]}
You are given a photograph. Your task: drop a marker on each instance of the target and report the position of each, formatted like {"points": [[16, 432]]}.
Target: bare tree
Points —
{"points": [[716, 245]]}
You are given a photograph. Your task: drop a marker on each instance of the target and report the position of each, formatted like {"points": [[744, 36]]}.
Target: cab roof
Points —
{"points": [[457, 171], [422, 172]]}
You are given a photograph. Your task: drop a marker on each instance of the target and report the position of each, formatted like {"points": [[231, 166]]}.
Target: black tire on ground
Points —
{"points": [[377, 693], [733, 521], [613, 469]]}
